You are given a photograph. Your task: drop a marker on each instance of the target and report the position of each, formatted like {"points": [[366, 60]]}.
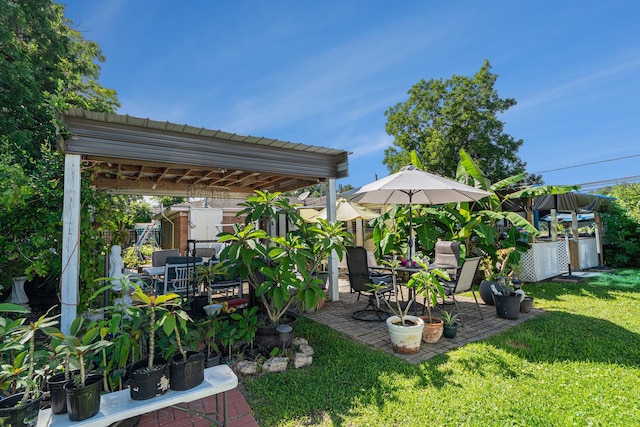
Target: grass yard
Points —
{"points": [[577, 365]]}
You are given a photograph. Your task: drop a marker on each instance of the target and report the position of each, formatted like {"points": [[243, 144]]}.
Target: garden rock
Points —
{"points": [[300, 360], [247, 367], [276, 364], [306, 349], [298, 341]]}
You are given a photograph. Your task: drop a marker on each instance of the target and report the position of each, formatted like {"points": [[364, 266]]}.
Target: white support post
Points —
{"points": [[334, 285], [69, 280]]}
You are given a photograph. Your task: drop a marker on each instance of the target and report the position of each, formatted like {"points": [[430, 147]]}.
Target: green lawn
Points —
{"points": [[577, 365]]}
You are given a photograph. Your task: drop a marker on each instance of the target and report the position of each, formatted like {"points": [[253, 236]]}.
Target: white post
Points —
{"points": [[334, 285], [69, 280]]}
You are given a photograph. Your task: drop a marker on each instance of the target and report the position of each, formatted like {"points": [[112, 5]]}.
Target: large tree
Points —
{"points": [[45, 67], [442, 116]]}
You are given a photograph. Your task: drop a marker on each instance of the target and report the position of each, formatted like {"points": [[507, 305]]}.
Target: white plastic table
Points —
{"points": [[119, 406]]}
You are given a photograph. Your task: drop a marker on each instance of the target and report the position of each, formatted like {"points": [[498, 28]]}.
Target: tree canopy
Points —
{"points": [[443, 116], [45, 67]]}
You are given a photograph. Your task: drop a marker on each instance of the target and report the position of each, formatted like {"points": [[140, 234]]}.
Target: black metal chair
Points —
{"points": [[464, 283], [361, 279]]}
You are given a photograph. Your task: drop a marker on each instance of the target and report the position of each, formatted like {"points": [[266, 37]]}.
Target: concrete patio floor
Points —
{"points": [[337, 315]]}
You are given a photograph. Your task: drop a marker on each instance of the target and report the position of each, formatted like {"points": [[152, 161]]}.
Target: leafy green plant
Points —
{"points": [[174, 322], [247, 324], [20, 337], [424, 282], [152, 304], [82, 342], [448, 317], [275, 265]]}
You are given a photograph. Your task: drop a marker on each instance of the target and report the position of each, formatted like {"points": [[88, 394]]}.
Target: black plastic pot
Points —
{"points": [[507, 306], [84, 401], [187, 375], [144, 383], [250, 353], [212, 359], [19, 416], [526, 305], [449, 331], [58, 398], [268, 338]]}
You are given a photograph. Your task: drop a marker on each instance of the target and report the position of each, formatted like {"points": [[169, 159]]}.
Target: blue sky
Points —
{"points": [[324, 72]]}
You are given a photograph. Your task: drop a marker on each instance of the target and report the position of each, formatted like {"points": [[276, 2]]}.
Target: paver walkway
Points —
{"points": [[239, 413], [337, 315]]}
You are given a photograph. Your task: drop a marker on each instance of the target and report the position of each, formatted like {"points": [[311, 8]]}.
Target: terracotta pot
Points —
{"points": [[433, 328]]}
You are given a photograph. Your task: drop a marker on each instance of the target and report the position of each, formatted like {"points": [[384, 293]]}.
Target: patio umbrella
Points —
{"points": [[412, 185], [348, 211]]}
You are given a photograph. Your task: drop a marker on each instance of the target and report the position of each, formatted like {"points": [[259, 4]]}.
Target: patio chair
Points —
{"points": [[360, 281], [464, 283], [177, 278], [159, 258], [447, 257]]}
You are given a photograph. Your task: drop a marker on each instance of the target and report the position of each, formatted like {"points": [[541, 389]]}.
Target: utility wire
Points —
{"points": [[588, 164]]}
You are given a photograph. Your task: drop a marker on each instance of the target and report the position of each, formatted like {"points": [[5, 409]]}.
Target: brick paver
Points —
{"points": [[337, 315]]}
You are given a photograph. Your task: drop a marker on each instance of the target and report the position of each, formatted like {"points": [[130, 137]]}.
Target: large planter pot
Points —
{"points": [[507, 306], [19, 416], [433, 328], [84, 402], [57, 393], [187, 375], [144, 383], [485, 291], [526, 305], [405, 339], [450, 331], [268, 338]]}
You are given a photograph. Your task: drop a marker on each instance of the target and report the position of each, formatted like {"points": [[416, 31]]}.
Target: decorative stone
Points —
{"points": [[247, 367], [276, 364], [298, 341], [300, 360], [306, 349]]}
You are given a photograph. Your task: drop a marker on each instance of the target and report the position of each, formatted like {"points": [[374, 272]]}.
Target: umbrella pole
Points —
{"points": [[410, 226]]}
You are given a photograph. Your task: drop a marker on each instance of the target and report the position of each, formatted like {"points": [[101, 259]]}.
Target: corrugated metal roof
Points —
{"points": [[133, 155]]}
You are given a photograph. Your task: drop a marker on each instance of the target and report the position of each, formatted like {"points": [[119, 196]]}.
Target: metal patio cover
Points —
{"points": [[130, 155], [139, 156]]}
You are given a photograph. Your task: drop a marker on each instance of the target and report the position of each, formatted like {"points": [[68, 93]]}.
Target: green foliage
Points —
{"points": [[275, 266], [168, 201], [622, 232], [131, 258], [443, 116], [46, 67]]}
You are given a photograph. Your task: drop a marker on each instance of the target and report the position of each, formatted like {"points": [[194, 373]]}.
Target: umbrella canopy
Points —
{"points": [[348, 211], [412, 185]]}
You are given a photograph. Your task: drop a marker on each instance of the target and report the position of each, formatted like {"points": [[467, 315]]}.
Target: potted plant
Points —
{"points": [[450, 328], [279, 269], [149, 378], [507, 299], [406, 330], [186, 366], [202, 337], [82, 390], [19, 377]]}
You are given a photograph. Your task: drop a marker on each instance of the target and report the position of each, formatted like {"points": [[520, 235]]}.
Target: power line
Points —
{"points": [[609, 182], [589, 164]]}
